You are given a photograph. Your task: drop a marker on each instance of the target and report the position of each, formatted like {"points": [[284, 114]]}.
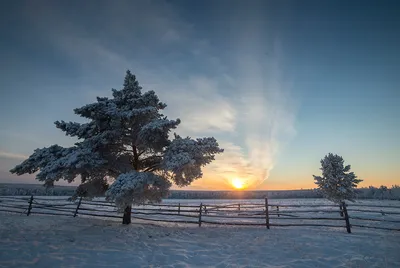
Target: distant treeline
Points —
{"points": [[383, 192], [371, 192], [244, 194], [35, 189]]}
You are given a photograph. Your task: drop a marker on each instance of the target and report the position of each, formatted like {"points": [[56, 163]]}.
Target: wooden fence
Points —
{"points": [[266, 214]]}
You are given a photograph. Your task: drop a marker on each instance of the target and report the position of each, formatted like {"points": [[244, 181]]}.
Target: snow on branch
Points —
{"points": [[55, 163], [185, 157], [155, 134], [77, 129], [136, 188]]}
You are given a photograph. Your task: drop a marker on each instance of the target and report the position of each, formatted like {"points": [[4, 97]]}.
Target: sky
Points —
{"points": [[279, 84]]}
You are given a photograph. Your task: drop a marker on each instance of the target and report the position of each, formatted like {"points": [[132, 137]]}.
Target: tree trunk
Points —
{"points": [[127, 215], [341, 209]]}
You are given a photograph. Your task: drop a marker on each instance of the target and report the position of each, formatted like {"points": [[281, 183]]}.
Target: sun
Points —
{"points": [[238, 183]]}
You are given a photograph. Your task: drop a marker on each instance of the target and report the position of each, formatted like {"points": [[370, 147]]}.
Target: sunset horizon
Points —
{"points": [[225, 187]]}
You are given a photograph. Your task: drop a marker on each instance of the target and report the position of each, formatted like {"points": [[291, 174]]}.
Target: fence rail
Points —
{"points": [[239, 214]]}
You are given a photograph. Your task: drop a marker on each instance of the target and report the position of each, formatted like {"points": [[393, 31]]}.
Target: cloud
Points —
{"points": [[264, 115], [233, 163], [265, 108], [202, 109], [13, 155], [171, 36]]}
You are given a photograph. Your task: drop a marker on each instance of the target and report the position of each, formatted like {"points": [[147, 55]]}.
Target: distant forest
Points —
{"points": [[371, 192]]}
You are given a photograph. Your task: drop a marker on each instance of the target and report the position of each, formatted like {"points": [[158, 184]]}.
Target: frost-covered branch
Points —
{"points": [[76, 129], [185, 157], [154, 135], [137, 188], [55, 163]]}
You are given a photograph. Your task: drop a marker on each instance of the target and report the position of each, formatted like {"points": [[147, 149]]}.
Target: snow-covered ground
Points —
{"points": [[51, 241]]}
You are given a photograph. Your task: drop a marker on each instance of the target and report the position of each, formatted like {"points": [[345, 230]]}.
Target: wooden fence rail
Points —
{"points": [[239, 214]]}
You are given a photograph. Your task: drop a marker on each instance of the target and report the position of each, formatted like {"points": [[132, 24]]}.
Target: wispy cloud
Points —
{"points": [[202, 109], [13, 155], [267, 110]]}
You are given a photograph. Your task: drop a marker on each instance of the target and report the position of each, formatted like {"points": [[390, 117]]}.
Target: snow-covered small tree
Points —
{"points": [[125, 140], [337, 183]]}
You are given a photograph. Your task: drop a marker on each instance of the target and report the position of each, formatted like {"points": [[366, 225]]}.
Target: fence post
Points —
{"points": [[201, 208], [238, 207], [277, 209], [346, 217], [266, 213], [179, 208], [77, 207], [30, 206], [341, 209]]}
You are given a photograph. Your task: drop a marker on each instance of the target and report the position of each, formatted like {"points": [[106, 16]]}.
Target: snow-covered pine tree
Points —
{"points": [[336, 183], [126, 141]]}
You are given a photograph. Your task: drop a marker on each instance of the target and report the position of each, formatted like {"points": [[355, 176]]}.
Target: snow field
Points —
{"points": [[51, 241]]}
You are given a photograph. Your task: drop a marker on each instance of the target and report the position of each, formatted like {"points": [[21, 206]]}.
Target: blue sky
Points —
{"points": [[279, 83]]}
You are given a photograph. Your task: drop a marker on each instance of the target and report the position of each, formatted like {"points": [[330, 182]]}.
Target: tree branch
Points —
{"points": [[152, 156], [152, 168], [135, 158], [142, 152]]}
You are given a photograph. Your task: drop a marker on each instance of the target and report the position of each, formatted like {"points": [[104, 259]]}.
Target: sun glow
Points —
{"points": [[238, 183]]}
